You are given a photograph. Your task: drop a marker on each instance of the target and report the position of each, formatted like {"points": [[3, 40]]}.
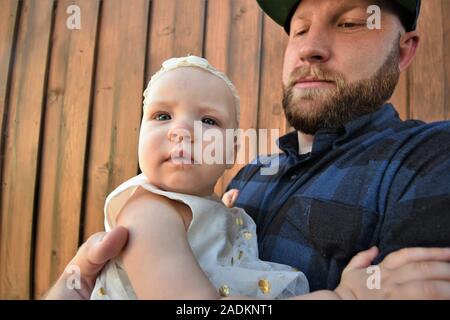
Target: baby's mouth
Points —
{"points": [[180, 156]]}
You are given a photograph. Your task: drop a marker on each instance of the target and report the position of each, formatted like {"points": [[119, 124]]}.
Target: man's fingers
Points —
{"points": [[398, 258], [229, 197], [98, 249], [422, 290], [110, 246], [421, 271], [362, 260]]}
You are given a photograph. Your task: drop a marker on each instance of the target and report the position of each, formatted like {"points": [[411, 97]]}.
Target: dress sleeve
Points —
{"points": [[117, 199]]}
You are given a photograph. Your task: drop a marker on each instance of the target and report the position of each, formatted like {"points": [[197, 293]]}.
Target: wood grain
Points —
{"points": [[64, 142], [117, 104], [23, 132]]}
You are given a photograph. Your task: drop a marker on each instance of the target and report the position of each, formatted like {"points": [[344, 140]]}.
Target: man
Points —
{"points": [[352, 175]]}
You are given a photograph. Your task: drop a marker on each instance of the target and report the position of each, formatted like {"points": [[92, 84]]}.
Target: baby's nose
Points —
{"points": [[178, 134]]}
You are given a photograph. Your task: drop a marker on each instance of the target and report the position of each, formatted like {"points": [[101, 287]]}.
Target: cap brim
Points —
{"points": [[281, 11]]}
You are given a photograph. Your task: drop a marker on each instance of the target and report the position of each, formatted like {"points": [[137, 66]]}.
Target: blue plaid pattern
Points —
{"points": [[378, 180]]}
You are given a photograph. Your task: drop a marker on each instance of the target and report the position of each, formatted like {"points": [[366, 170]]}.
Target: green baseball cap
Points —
{"points": [[281, 11]]}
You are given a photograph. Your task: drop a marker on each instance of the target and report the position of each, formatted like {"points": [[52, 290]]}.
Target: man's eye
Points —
{"points": [[350, 25], [209, 121], [300, 32], [162, 117]]}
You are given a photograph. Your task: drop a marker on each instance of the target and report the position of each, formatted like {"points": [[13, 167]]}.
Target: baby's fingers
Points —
{"points": [[229, 197], [404, 256]]}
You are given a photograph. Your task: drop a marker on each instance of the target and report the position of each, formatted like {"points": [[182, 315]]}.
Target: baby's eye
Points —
{"points": [[162, 117], [209, 121]]}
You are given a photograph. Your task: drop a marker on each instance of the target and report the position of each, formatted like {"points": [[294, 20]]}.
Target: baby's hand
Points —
{"points": [[229, 197], [413, 273]]}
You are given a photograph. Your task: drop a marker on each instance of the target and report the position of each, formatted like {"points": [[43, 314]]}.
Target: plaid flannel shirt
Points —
{"points": [[378, 180]]}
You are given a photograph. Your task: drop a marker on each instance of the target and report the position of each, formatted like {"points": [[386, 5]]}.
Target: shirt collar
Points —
{"points": [[324, 139]]}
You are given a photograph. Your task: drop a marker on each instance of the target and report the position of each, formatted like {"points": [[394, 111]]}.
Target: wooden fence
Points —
{"points": [[70, 106]]}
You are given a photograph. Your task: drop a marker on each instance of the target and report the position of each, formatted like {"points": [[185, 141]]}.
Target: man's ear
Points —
{"points": [[409, 42]]}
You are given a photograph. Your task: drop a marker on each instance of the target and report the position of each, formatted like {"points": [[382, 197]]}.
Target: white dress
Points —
{"points": [[224, 242]]}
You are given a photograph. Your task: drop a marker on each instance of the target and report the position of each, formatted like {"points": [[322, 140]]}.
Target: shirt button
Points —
{"points": [[293, 177]]}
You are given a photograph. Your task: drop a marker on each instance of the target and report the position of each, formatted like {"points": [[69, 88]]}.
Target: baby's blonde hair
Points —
{"points": [[192, 61]]}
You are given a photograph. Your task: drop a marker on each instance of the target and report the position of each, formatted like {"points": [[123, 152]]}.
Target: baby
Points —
{"points": [[184, 243]]}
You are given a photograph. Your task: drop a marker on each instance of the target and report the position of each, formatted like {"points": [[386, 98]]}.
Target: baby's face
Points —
{"points": [[168, 146]]}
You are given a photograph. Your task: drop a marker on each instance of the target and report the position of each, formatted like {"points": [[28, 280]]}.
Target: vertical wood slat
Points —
{"points": [[117, 104], [176, 30], [21, 148], [216, 45], [243, 34], [446, 45], [8, 26], [400, 99], [64, 142], [427, 73], [270, 109]]}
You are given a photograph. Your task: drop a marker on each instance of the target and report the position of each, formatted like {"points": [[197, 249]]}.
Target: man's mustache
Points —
{"points": [[315, 73]]}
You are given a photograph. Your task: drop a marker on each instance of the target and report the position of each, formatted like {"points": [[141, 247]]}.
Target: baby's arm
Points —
{"points": [[158, 259]]}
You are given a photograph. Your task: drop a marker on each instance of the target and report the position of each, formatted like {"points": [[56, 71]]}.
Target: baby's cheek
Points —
{"points": [[145, 157]]}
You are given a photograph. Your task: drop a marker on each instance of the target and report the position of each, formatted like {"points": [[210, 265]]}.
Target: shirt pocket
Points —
{"points": [[335, 230]]}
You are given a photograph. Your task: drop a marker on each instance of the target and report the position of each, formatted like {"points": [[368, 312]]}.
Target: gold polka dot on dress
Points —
{"points": [[224, 291], [247, 235], [264, 286], [101, 292]]}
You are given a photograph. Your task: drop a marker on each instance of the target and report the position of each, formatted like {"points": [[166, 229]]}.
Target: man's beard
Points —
{"points": [[332, 108]]}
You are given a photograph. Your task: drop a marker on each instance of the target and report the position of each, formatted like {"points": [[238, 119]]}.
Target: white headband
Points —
{"points": [[192, 61]]}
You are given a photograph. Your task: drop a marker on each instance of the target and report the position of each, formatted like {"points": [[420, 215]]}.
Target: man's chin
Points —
{"points": [[311, 94], [309, 106]]}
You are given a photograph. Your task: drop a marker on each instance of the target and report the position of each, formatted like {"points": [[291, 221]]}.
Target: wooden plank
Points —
{"points": [[64, 142], [270, 111], [244, 66], [8, 27], [22, 147], [428, 75], [216, 45], [446, 40], [243, 58], [400, 98], [117, 104], [176, 30]]}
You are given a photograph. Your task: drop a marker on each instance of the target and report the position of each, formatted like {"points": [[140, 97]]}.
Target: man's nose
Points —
{"points": [[181, 132], [315, 47]]}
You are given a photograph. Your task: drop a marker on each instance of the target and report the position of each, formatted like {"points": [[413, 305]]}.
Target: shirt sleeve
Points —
{"points": [[418, 207]]}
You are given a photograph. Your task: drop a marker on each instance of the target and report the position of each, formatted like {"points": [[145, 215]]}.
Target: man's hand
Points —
{"points": [[90, 259], [412, 273]]}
